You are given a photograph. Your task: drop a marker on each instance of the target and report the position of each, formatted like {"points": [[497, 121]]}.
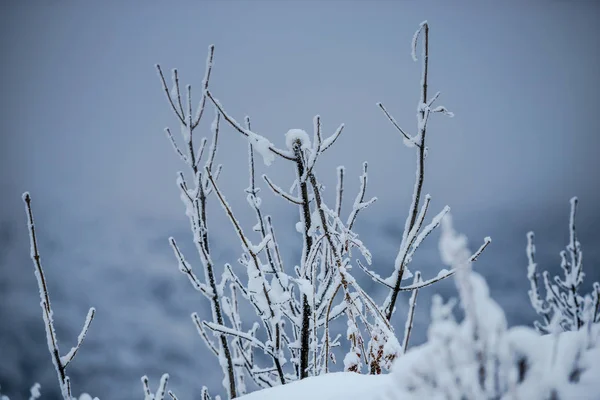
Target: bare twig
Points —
{"points": [[66, 359], [393, 121], [414, 207], [246, 132], [412, 304], [60, 363], [339, 190], [195, 201], [276, 189], [168, 93]]}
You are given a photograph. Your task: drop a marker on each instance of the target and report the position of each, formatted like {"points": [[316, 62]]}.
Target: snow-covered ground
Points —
{"points": [[333, 386], [549, 366]]}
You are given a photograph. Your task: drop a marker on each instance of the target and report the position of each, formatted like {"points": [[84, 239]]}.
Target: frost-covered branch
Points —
{"points": [[359, 203], [563, 305], [277, 190], [266, 149], [414, 218], [258, 286], [195, 201], [412, 303], [60, 363], [160, 392]]}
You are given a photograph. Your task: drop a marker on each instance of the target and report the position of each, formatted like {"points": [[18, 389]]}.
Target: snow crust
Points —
{"points": [[333, 386]]}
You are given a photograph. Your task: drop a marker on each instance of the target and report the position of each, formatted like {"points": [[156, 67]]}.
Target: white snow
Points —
{"points": [[294, 135], [333, 386], [262, 145], [529, 366], [306, 288]]}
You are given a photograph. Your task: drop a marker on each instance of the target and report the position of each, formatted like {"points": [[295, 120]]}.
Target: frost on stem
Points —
{"points": [[412, 235], [195, 201], [563, 303], [60, 363]]}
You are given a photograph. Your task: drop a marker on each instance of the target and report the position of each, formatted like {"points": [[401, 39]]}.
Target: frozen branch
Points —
{"points": [[66, 359], [195, 200], [412, 303], [276, 189], [563, 305], [60, 363], [407, 137], [160, 392], [414, 218], [262, 145]]}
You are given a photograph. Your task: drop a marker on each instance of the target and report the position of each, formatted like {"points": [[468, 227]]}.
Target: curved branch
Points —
{"points": [[284, 154]]}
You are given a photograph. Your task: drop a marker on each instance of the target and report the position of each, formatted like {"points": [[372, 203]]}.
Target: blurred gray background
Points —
{"points": [[82, 129]]}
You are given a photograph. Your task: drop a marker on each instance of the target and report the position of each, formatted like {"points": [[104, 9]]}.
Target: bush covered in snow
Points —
{"points": [[291, 337]]}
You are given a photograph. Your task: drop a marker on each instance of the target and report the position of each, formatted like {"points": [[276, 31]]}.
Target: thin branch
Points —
{"points": [[359, 202], [374, 276], [393, 121], [339, 190], [412, 304], [146, 386], [162, 387], [213, 147], [245, 132], [443, 274], [200, 151], [175, 147], [186, 269], [168, 93], [177, 88], [420, 174], [203, 334], [191, 131], [86, 325], [242, 335], [276, 189], [337, 288], [59, 362], [243, 238], [68, 386], [327, 143], [208, 69]]}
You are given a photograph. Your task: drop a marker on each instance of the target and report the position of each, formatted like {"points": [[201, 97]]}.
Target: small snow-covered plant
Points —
{"points": [[60, 362], [563, 306], [295, 304], [480, 358], [161, 392], [34, 393]]}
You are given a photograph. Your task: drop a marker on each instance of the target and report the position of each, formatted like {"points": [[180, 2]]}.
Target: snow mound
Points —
{"points": [[333, 386]]}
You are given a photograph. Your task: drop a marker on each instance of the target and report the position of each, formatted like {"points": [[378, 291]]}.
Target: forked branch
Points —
{"points": [[60, 363]]}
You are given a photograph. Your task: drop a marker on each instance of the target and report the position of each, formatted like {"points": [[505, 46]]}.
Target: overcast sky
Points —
{"points": [[83, 115]]}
